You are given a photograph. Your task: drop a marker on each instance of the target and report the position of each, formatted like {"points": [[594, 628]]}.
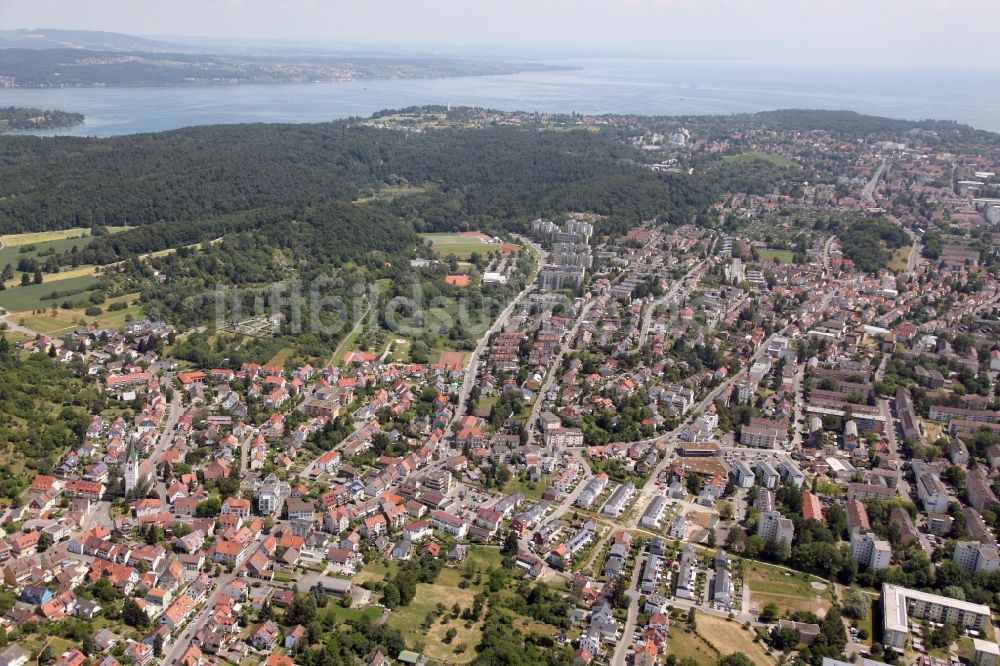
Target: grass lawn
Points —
{"points": [[341, 615], [780, 256], [283, 354], [485, 405], [409, 620], [899, 256], [390, 192], [828, 489], [729, 636], [400, 350], [460, 245], [754, 156], [789, 591], [689, 646], [444, 590], [13, 240], [69, 319], [21, 299]]}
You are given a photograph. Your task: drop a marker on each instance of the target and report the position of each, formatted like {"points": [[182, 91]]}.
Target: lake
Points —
{"points": [[649, 87]]}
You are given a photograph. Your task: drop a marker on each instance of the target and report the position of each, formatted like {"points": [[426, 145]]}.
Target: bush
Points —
{"points": [[93, 311], [116, 307]]}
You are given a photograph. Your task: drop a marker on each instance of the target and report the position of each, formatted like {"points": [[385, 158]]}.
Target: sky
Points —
{"points": [[917, 32]]}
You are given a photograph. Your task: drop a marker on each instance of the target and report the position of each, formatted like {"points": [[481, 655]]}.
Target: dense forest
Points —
{"points": [[28, 118], [205, 172]]}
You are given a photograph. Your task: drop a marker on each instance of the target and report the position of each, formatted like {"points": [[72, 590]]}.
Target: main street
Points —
{"points": [[553, 368], [174, 412], [472, 365], [201, 618], [668, 297], [621, 647]]}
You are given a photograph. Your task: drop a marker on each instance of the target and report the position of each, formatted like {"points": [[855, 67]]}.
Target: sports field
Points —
{"points": [[462, 245], [780, 256]]}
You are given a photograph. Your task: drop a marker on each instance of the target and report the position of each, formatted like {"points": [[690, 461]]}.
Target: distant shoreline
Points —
{"points": [[14, 119]]}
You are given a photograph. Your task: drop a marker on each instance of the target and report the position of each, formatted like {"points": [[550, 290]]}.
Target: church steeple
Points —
{"points": [[131, 468]]}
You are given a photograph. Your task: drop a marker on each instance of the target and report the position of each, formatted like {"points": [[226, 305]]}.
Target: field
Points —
{"points": [[485, 405], [899, 257], [453, 358], [44, 242], [460, 245], [13, 240], [729, 636], [446, 591], [390, 192], [67, 319], [753, 156], [788, 591], [690, 646], [780, 256], [21, 299], [282, 356]]}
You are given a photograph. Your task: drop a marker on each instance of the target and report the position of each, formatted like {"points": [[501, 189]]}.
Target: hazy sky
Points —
{"points": [[804, 31]]}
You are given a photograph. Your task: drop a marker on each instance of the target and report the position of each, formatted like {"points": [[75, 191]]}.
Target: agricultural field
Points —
{"points": [[779, 256], [43, 243], [787, 590], [728, 637], [14, 240], [462, 245], [451, 358], [60, 320], [22, 299]]}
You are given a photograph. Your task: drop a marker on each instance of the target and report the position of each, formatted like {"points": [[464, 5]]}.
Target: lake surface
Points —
{"points": [[653, 87]]}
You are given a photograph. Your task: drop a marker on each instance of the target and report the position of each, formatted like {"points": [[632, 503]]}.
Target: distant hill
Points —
{"points": [[91, 40]]}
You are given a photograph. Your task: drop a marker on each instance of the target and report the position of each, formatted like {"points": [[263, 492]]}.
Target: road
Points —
{"points": [[472, 366], [569, 500], [868, 193], [550, 374], [182, 642], [174, 412], [666, 298], [798, 417], [621, 647], [650, 488]]}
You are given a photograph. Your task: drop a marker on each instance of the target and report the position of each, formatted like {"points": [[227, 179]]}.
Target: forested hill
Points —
{"points": [[204, 173]]}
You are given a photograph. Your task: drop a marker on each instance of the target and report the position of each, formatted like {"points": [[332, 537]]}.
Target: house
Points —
{"points": [[448, 523], [139, 653], [294, 637], [265, 637], [71, 657], [13, 655]]}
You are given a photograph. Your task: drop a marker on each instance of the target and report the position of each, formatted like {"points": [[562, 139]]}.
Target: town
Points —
{"points": [[768, 434]]}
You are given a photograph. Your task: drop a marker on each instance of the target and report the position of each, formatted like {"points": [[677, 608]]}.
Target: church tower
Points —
{"points": [[131, 469]]}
